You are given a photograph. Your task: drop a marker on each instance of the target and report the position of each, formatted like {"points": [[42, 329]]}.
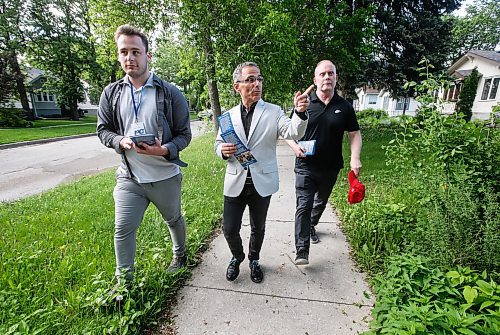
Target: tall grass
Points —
{"points": [[430, 241], [57, 259]]}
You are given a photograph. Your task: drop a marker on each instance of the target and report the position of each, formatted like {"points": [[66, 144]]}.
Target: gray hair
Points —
{"points": [[326, 61], [239, 69]]}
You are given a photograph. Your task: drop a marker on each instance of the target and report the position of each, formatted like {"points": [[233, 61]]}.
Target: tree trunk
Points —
{"points": [[213, 91], [73, 109], [21, 89]]}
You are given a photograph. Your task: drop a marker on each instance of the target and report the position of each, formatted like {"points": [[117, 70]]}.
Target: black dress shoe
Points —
{"points": [[256, 273], [233, 270]]}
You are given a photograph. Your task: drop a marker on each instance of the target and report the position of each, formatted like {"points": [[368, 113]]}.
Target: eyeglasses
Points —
{"points": [[251, 80]]}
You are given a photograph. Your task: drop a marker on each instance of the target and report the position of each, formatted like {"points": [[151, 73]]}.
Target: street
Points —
{"points": [[33, 169]]}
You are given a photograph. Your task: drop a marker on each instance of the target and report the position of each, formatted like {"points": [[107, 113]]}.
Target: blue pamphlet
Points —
{"points": [[243, 155], [309, 147]]}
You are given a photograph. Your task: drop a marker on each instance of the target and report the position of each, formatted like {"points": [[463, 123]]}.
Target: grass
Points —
{"points": [[48, 128], [373, 170], [57, 258]]}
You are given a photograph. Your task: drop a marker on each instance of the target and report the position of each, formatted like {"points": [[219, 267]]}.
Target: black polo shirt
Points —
{"points": [[327, 125]]}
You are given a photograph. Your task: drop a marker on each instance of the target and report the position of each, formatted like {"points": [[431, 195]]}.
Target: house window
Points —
{"points": [[490, 88], [372, 99], [402, 103], [44, 97], [453, 92], [386, 103]]}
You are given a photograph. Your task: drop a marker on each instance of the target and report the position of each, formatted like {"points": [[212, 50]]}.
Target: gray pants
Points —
{"points": [[131, 201]]}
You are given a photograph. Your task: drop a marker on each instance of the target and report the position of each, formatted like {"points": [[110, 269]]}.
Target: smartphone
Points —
{"points": [[149, 139]]}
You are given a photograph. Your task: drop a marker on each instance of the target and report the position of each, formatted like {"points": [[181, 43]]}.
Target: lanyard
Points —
{"points": [[136, 108]]}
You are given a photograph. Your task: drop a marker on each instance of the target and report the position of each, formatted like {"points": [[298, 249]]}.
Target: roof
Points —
{"points": [[34, 74], [490, 56], [370, 90]]}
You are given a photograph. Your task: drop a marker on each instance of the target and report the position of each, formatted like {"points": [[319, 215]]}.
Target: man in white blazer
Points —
{"points": [[258, 124]]}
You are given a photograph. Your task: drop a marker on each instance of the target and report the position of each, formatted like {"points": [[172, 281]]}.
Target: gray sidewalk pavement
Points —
{"points": [[328, 296]]}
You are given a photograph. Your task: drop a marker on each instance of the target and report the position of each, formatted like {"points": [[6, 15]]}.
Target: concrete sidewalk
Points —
{"points": [[325, 297]]}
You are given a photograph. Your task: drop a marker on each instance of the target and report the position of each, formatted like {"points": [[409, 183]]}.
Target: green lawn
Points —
{"points": [[57, 259], [48, 129]]}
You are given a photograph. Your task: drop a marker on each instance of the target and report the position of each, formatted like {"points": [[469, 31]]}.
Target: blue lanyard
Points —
{"points": [[136, 108]]}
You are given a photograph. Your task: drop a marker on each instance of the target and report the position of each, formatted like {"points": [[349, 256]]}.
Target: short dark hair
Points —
{"points": [[239, 69], [130, 30]]}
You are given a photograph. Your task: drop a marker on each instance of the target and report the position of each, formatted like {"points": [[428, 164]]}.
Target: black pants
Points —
{"points": [[312, 190], [233, 212]]}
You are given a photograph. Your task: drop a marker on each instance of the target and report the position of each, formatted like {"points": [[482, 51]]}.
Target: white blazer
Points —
{"points": [[268, 123]]}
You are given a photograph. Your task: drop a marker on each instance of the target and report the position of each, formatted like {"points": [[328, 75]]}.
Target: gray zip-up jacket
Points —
{"points": [[174, 131]]}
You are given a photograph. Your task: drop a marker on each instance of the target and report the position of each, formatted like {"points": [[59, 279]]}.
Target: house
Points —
{"points": [[369, 97], [44, 102], [487, 96]]}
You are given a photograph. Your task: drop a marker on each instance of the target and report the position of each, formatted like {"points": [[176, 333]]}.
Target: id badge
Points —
{"points": [[138, 128]]}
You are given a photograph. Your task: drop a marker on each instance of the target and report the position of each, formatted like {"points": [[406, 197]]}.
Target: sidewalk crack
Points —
{"points": [[356, 304]]}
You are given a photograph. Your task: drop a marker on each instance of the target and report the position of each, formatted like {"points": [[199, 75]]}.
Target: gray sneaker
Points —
{"points": [[302, 257], [178, 262], [314, 237]]}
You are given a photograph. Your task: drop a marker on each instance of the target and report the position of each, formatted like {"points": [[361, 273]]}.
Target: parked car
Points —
{"points": [[205, 115]]}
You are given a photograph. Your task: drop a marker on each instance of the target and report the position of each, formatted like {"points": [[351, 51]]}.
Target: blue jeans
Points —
{"points": [[131, 201]]}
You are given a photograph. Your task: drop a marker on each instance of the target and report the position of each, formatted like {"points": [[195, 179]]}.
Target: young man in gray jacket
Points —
{"points": [[142, 104]]}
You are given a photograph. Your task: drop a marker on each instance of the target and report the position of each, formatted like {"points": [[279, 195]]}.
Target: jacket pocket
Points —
{"points": [[270, 168], [231, 170]]}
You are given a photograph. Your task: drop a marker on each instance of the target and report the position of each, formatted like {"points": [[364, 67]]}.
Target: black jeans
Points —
{"points": [[233, 212], [312, 190]]}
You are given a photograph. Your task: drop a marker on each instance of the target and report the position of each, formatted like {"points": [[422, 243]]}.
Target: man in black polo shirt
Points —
{"points": [[316, 169]]}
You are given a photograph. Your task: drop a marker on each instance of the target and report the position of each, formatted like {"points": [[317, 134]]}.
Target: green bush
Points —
{"points": [[455, 184], [371, 112], [13, 118], [467, 95], [375, 118]]}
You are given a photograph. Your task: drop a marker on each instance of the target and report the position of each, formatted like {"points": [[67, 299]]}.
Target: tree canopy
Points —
{"points": [[197, 44], [479, 29], [405, 32]]}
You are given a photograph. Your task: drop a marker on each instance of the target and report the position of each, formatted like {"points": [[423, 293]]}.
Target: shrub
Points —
{"points": [[13, 118], [371, 112], [375, 118], [455, 167], [468, 94]]}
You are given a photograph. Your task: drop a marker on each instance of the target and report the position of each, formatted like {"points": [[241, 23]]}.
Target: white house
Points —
{"points": [[369, 97], [487, 96]]}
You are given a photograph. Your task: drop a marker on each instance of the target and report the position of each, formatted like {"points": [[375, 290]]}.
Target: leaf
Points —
{"points": [[485, 287], [469, 294], [486, 304], [466, 331]]}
